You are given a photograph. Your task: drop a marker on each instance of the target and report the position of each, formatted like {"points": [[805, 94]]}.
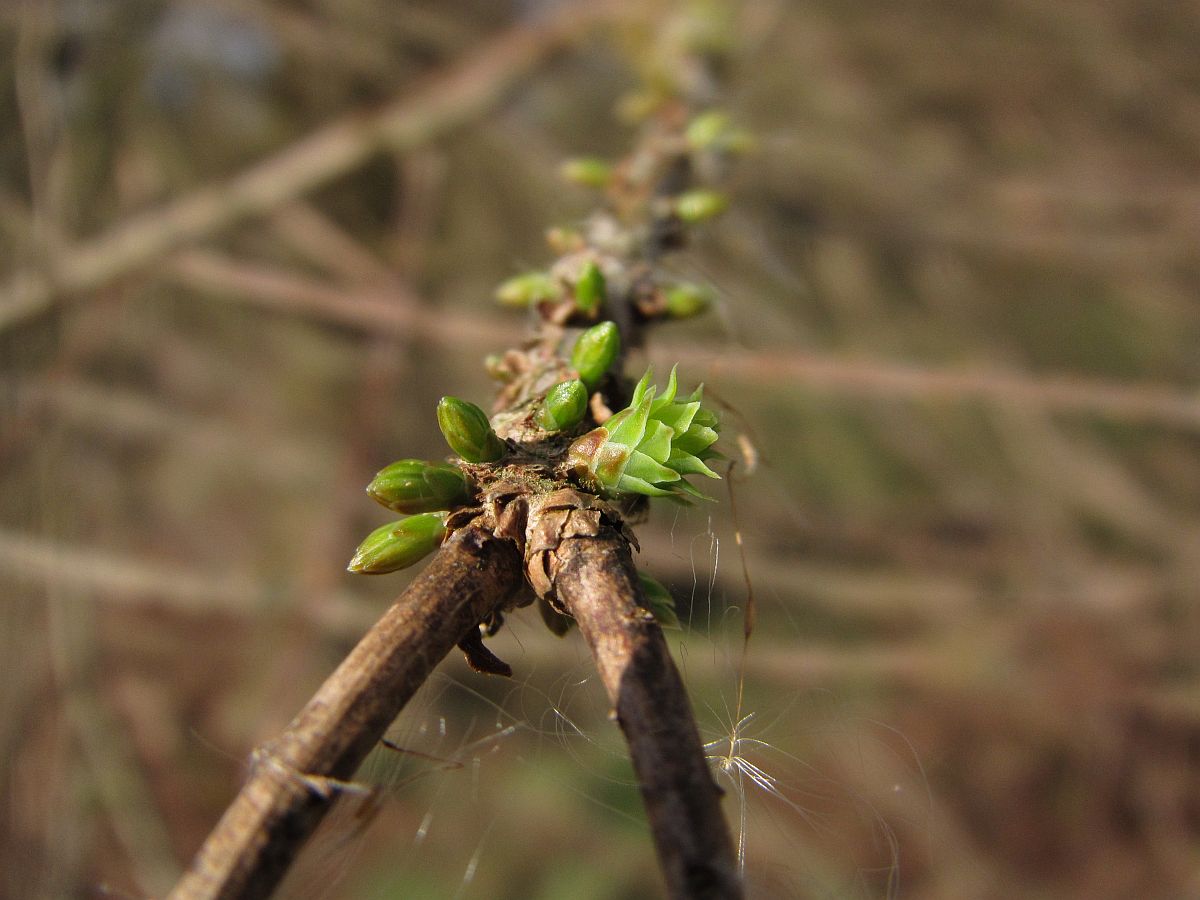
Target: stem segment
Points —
{"points": [[596, 580], [296, 778]]}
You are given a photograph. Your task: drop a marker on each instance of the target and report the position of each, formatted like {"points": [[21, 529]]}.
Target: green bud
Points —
{"points": [[590, 288], [564, 240], [564, 406], [526, 289], [712, 131], [586, 171], [685, 300], [637, 106], [659, 601], [468, 431], [416, 486], [700, 205], [595, 352], [399, 545], [707, 128]]}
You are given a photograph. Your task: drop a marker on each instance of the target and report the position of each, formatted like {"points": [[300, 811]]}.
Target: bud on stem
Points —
{"points": [[527, 289], [468, 431], [586, 171], [595, 352], [399, 545], [564, 406], [700, 205], [590, 288], [416, 486], [685, 300]]}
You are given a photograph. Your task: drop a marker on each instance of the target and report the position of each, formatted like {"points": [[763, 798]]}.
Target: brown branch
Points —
{"points": [[296, 777], [597, 582]]}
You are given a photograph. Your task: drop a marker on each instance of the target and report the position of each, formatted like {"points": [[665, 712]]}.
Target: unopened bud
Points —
{"points": [[527, 289], [590, 288], [700, 205], [706, 129], [712, 130], [595, 352], [564, 406], [416, 486], [399, 545], [468, 431], [586, 171], [685, 300], [563, 240]]}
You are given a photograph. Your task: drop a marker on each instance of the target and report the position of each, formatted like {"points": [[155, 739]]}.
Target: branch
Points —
{"points": [[597, 582], [296, 777]]}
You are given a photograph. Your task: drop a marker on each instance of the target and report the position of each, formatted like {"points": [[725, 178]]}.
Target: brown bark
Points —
{"points": [[596, 581], [295, 779]]}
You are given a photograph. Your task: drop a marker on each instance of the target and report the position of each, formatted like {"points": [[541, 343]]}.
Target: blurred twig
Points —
{"points": [[1150, 404], [444, 103], [390, 311]]}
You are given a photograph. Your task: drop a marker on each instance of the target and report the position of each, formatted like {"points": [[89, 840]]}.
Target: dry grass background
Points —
{"points": [[959, 324]]}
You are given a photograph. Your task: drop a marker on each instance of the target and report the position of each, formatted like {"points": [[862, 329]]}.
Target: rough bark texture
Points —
{"points": [[597, 582], [294, 779]]}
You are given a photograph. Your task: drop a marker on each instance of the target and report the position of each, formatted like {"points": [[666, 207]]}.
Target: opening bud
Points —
{"points": [[564, 407], [399, 545], [417, 486], [595, 352], [700, 205], [468, 431]]}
